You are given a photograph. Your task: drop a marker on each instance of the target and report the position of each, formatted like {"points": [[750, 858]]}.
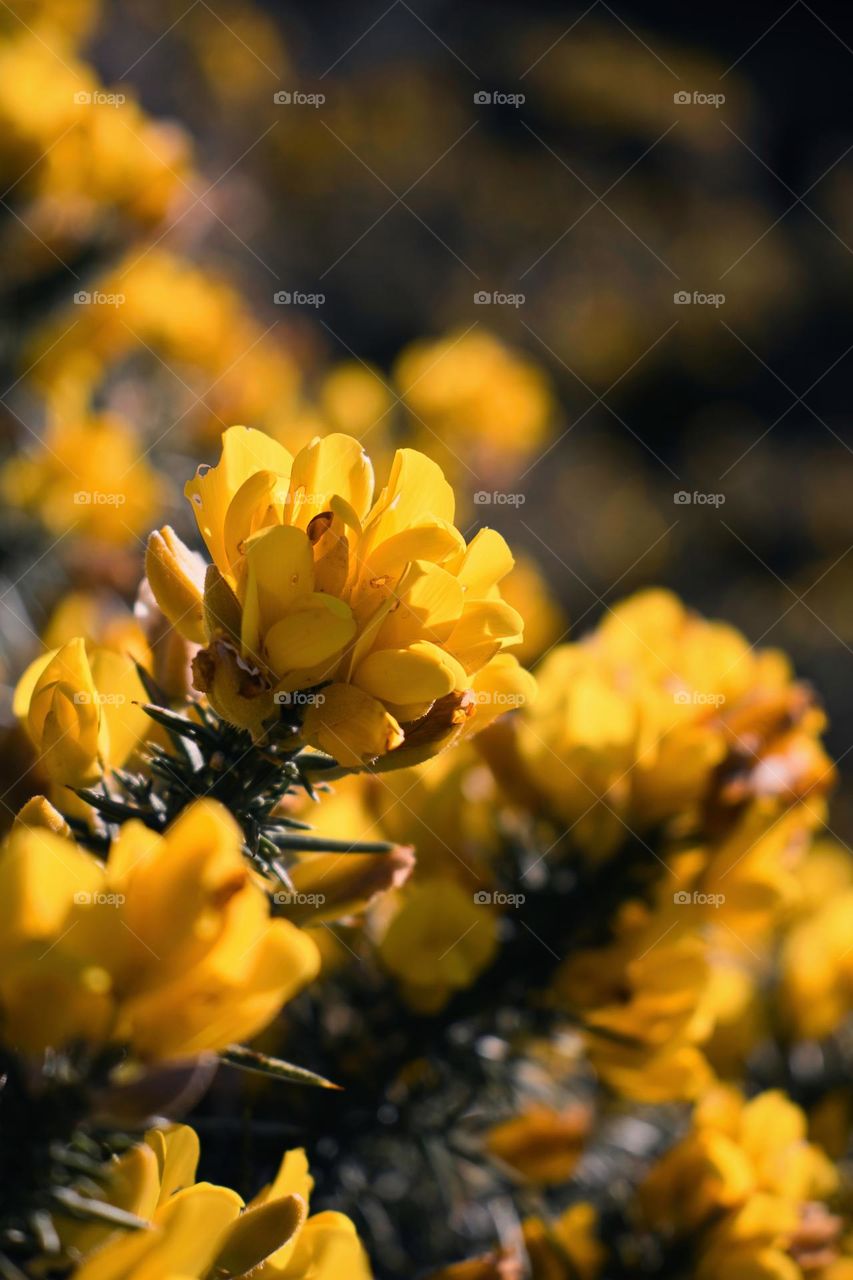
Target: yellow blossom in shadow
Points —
{"points": [[197, 1229], [168, 948], [748, 1187]]}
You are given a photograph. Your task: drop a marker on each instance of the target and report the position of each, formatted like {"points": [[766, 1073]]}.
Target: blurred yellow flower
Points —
{"points": [[568, 1248], [438, 942], [168, 948], [746, 1177], [82, 710], [644, 1003], [471, 394], [354, 398], [90, 475], [545, 623], [817, 967], [659, 712], [314, 583], [541, 1143], [173, 310], [197, 1229], [73, 148]]}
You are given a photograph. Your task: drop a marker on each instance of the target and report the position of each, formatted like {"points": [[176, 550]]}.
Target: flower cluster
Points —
{"points": [[376, 604], [334, 941]]}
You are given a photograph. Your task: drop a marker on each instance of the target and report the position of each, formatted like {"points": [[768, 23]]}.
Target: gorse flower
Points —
{"points": [[81, 708], [660, 714], [644, 1000], [168, 948], [378, 605], [198, 1231], [749, 1188], [90, 475]]}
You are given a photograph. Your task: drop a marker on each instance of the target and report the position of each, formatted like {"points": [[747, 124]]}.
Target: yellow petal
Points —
{"points": [[176, 576], [279, 572], [333, 466], [484, 627], [487, 560], [257, 504], [244, 451], [328, 1248], [120, 695], [259, 1233], [28, 681], [313, 632], [177, 1152], [420, 673], [64, 719], [427, 610], [351, 726], [416, 493], [40, 873]]}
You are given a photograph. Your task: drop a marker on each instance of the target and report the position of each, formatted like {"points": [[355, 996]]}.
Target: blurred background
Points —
{"points": [[302, 208]]}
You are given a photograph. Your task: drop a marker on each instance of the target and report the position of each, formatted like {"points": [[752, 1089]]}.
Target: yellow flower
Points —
{"points": [[817, 968], [354, 398], [77, 158], [439, 941], [168, 947], [186, 316], [542, 1144], [473, 393], [749, 1183], [643, 999], [81, 710], [568, 1248], [659, 712], [197, 1230], [89, 475], [314, 583]]}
